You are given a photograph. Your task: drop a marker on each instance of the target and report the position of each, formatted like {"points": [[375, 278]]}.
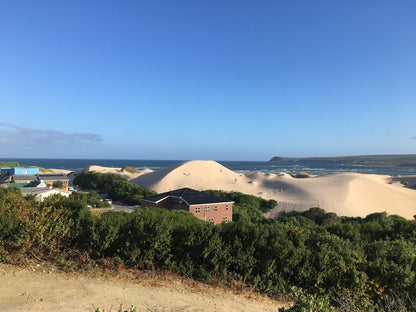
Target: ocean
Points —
{"points": [[238, 166]]}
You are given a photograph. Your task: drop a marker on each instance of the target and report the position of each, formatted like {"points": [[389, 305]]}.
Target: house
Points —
{"points": [[42, 192], [49, 180], [23, 175], [22, 178], [202, 205], [42, 180], [9, 171]]}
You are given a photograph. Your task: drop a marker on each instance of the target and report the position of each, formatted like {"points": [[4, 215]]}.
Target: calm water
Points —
{"points": [[239, 166]]}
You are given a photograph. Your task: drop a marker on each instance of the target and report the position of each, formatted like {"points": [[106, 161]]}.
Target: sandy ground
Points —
{"points": [[346, 194], [43, 290]]}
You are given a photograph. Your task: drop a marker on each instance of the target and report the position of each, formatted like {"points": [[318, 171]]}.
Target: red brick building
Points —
{"points": [[202, 205]]}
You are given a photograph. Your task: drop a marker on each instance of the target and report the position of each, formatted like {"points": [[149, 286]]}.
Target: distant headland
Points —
{"points": [[403, 160]]}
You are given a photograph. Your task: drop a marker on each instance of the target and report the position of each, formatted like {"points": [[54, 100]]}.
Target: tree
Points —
{"points": [[58, 184]]}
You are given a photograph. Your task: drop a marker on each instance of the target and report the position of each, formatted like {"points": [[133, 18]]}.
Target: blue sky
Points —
{"points": [[222, 80]]}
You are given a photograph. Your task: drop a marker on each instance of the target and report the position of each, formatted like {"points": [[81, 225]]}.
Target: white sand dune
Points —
{"points": [[196, 174], [54, 171], [346, 194], [119, 171]]}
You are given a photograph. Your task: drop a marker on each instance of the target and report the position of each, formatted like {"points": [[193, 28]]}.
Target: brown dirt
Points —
{"points": [[42, 288]]}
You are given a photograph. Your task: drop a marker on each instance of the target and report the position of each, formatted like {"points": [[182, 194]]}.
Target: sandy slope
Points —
{"points": [[54, 171], [347, 194], [129, 176], [119, 171], [27, 290]]}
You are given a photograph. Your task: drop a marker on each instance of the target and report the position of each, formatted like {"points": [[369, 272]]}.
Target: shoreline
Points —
{"points": [[237, 166]]}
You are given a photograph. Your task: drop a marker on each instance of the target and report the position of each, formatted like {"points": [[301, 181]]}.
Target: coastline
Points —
{"points": [[237, 166], [388, 160]]}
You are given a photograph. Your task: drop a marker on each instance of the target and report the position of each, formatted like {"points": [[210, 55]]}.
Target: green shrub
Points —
{"points": [[323, 260], [58, 184], [245, 199], [129, 169], [116, 186], [305, 302], [25, 224]]}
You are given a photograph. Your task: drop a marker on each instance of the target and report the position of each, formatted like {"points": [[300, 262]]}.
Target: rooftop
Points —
{"points": [[192, 197], [25, 177], [54, 177], [9, 164], [33, 190], [40, 190]]}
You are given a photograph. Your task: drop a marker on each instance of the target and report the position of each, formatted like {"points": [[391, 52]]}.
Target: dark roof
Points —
{"points": [[24, 177], [53, 177], [192, 197]]}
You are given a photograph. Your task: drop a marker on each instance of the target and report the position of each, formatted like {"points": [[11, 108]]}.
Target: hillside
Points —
{"points": [[347, 194]]}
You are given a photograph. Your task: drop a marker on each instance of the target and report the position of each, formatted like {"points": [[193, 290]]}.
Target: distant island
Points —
{"points": [[405, 160]]}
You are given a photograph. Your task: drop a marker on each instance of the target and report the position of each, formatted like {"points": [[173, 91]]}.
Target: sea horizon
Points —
{"points": [[317, 168]]}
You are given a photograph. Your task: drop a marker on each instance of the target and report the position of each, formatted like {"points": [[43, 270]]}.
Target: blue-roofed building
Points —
{"points": [[10, 171]]}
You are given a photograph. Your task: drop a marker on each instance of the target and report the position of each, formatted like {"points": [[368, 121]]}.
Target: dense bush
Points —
{"points": [[91, 199], [251, 201], [114, 185], [129, 169], [318, 257], [58, 184], [28, 225], [318, 216]]}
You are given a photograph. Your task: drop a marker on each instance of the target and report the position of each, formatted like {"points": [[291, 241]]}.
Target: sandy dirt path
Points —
{"points": [[37, 290]]}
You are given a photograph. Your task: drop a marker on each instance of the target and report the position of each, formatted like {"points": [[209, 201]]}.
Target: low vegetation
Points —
{"points": [[120, 309], [249, 202], [91, 199], [323, 261], [116, 186], [58, 184], [129, 169], [301, 175]]}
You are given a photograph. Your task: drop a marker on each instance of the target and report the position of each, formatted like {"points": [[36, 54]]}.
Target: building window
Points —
{"points": [[197, 209], [216, 208], [226, 207], [211, 220], [207, 209], [225, 219]]}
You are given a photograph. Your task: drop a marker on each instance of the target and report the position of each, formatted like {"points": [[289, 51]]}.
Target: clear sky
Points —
{"points": [[222, 80]]}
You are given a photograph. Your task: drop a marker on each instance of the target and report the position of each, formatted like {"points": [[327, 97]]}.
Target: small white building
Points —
{"points": [[42, 192]]}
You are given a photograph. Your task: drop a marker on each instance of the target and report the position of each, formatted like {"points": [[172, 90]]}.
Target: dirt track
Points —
{"points": [[43, 290]]}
